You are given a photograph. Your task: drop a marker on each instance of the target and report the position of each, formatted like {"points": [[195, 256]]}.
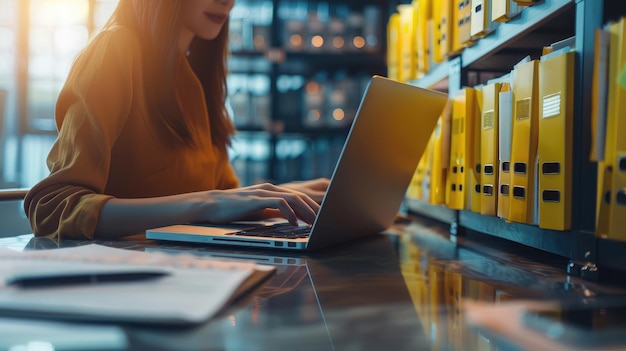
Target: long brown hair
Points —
{"points": [[156, 22]]}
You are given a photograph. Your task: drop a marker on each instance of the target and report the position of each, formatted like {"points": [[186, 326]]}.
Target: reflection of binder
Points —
{"points": [[407, 66], [442, 31], [505, 122], [481, 24], [524, 143], [460, 139], [423, 35], [489, 149], [615, 151], [473, 154], [393, 46], [503, 10], [461, 25], [454, 293], [556, 89]]}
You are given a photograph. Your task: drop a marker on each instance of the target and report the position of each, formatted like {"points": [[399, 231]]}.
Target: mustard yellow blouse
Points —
{"points": [[107, 147]]}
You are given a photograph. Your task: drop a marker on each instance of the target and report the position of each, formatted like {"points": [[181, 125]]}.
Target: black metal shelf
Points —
{"points": [[440, 213]]}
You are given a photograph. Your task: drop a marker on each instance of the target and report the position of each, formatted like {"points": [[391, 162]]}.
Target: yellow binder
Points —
{"points": [[461, 26], [393, 46], [524, 142], [460, 139], [504, 10], [437, 173], [615, 151], [505, 123], [418, 188], [442, 29], [473, 154], [481, 24], [489, 149], [424, 32], [408, 66], [556, 89]]}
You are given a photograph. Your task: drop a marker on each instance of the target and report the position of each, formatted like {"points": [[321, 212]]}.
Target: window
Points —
{"points": [[39, 40]]}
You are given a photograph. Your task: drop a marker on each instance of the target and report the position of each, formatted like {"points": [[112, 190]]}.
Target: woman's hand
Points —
{"points": [[257, 201], [315, 188]]}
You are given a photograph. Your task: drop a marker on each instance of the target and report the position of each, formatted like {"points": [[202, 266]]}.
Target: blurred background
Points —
{"points": [[297, 72]]}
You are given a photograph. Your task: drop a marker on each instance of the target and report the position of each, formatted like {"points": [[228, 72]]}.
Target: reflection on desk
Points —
{"points": [[404, 290]]}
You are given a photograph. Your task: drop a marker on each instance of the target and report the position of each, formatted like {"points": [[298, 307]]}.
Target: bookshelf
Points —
{"points": [[539, 25], [294, 88]]}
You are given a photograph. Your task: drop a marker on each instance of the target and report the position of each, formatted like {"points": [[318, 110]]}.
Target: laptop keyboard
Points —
{"points": [[279, 230]]}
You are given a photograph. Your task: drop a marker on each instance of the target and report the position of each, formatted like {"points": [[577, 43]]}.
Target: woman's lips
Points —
{"points": [[216, 18]]}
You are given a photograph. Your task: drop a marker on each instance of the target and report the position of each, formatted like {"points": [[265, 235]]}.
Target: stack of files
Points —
{"points": [[461, 141], [556, 119], [612, 168], [103, 284], [524, 142], [489, 148], [504, 10], [504, 138], [474, 154]]}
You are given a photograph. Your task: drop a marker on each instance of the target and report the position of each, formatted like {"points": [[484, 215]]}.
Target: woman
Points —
{"points": [[143, 132]]}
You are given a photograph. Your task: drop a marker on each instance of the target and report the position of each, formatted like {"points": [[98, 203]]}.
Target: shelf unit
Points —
{"points": [[539, 25], [277, 59]]}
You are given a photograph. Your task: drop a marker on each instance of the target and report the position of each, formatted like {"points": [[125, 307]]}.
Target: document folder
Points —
{"points": [[437, 169], [505, 124], [524, 143], [556, 89], [460, 141], [473, 153], [461, 26], [408, 66], [615, 151], [393, 46], [489, 149], [442, 15], [503, 10], [423, 35], [481, 24]]}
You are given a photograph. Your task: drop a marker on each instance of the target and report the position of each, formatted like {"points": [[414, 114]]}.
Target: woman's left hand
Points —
{"points": [[315, 188]]}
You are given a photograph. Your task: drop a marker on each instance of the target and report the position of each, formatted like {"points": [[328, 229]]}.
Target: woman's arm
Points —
{"points": [[122, 217]]}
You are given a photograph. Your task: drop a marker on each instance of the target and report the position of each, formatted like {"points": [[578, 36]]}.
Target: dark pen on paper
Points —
{"points": [[44, 281]]}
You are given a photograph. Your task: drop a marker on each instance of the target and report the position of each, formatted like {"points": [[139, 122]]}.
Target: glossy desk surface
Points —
{"points": [[400, 291]]}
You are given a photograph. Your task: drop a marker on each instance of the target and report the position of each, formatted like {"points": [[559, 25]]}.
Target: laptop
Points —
{"points": [[387, 138]]}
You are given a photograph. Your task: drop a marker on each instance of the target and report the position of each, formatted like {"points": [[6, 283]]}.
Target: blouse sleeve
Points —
{"points": [[90, 114]]}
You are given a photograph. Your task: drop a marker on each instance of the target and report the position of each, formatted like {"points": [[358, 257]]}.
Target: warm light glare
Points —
{"points": [[338, 42], [317, 41], [312, 88], [358, 42], [314, 115], [338, 114], [59, 12], [295, 40], [259, 41]]}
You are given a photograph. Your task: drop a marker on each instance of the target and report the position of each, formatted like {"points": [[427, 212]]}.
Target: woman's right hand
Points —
{"points": [[253, 202]]}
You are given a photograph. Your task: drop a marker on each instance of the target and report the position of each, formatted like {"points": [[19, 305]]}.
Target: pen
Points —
{"points": [[39, 281]]}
